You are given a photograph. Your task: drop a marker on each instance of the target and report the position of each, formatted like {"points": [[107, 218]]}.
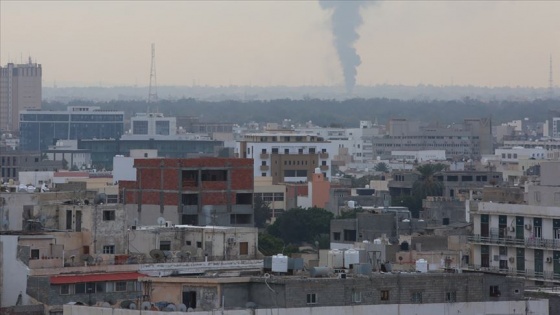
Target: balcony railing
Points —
{"points": [[525, 273], [264, 156], [265, 167], [324, 155], [527, 242]]}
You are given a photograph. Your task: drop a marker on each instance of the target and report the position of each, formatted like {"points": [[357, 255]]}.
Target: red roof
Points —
{"points": [[98, 277]]}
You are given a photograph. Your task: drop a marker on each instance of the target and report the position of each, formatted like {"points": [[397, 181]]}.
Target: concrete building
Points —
{"points": [[153, 124], [180, 147], [287, 157], [199, 191], [273, 195], [469, 140], [318, 192], [20, 89], [180, 243], [419, 156], [13, 162], [39, 129], [463, 184], [68, 152]]}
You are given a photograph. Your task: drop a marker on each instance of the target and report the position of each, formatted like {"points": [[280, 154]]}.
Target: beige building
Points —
{"points": [[20, 88]]}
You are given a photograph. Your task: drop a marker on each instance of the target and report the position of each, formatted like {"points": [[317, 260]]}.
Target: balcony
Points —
{"points": [[264, 156], [264, 168], [324, 167], [323, 155], [531, 242]]}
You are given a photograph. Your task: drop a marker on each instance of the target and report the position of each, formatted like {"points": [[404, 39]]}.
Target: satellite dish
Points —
{"points": [[170, 308], [182, 307], [157, 254], [87, 258], [161, 221], [184, 255], [100, 199], [104, 304], [110, 300], [146, 306], [98, 260], [132, 306]]}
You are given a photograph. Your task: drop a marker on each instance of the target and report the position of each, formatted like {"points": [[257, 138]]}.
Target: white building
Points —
{"points": [[287, 157], [419, 156], [67, 150], [517, 153], [153, 124]]}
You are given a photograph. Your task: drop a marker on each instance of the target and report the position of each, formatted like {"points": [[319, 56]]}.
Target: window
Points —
{"points": [[263, 174], [263, 163], [120, 286], [494, 290], [65, 289], [336, 236], [165, 245], [109, 249], [416, 297], [108, 215], [34, 254], [90, 287], [110, 287], [198, 244], [357, 297], [384, 295], [311, 298], [451, 296], [100, 286], [263, 151], [243, 248], [80, 288]]}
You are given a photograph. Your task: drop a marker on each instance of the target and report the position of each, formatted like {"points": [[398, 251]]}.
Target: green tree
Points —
{"points": [[299, 225], [262, 212], [64, 164], [381, 167], [428, 184], [350, 214]]}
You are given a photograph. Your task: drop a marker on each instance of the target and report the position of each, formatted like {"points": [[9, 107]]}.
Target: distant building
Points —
{"points": [[13, 162], [39, 129], [469, 140], [198, 191], [287, 157], [153, 124], [20, 89]]}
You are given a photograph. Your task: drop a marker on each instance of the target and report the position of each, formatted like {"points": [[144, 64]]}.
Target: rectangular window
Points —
{"points": [[451, 296], [384, 295], [494, 291], [244, 198], [311, 298], [100, 287], [165, 245], [90, 287], [64, 289], [120, 286], [243, 248], [34, 254], [214, 175], [357, 297], [79, 288], [109, 249], [336, 236], [416, 297], [108, 215], [110, 287]]}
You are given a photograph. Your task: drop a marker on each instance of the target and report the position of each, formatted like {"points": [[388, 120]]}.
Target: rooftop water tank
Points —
{"points": [[279, 263], [335, 259], [319, 272], [351, 257], [422, 265]]}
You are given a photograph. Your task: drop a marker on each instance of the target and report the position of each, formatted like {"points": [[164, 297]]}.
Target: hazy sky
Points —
{"points": [[483, 43]]}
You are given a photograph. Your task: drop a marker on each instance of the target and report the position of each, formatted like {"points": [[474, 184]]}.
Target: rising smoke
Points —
{"points": [[346, 19]]}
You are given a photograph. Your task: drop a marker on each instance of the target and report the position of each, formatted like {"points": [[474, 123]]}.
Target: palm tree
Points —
{"points": [[428, 184], [381, 167]]}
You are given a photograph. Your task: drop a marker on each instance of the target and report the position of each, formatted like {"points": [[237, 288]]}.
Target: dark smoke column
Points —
{"points": [[346, 19]]}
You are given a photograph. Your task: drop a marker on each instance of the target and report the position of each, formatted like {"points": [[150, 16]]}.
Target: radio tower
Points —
{"points": [[550, 80], [152, 93]]}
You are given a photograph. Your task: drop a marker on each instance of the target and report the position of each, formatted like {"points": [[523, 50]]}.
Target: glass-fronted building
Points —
{"points": [[39, 129]]}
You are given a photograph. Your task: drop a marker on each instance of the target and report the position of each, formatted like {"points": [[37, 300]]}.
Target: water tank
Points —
{"points": [[351, 204], [404, 246], [377, 241], [363, 269], [317, 170], [335, 259], [279, 263], [319, 272], [422, 265], [351, 257]]}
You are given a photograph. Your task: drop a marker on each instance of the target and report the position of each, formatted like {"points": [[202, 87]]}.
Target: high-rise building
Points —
{"points": [[20, 89]]}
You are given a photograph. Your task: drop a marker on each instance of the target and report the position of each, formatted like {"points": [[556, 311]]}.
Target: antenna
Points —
{"points": [[152, 93], [550, 80]]}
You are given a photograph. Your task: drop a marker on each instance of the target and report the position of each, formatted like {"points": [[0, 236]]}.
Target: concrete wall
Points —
{"points": [[536, 307], [14, 272]]}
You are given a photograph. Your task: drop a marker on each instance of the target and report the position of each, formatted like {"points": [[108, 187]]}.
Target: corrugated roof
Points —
{"points": [[99, 277]]}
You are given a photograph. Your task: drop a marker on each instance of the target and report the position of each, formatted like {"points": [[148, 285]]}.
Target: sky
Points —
{"points": [[263, 43]]}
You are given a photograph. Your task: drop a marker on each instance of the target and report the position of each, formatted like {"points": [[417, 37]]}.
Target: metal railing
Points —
{"points": [[525, 273], [526, 242]]}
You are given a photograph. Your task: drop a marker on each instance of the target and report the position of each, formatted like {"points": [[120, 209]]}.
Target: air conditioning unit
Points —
{"points": [[231, 240], [168, 224], [342, 275], [528, 226], [512, 259], [549, 260], [511, 228]]}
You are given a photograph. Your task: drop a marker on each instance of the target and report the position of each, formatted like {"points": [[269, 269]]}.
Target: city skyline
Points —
{"points": [[282, 43]]}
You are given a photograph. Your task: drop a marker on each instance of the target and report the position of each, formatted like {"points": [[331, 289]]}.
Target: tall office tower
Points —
{"points": [[20, 89]]}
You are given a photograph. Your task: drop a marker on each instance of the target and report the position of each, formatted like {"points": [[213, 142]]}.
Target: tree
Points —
{"points": [[262, 212], [428, 184], [381, 167], [350, 214], [299, 225], [64, 164], [270, 245]]}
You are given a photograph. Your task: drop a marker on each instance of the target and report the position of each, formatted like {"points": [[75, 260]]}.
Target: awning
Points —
{"points": [[98, 277]]}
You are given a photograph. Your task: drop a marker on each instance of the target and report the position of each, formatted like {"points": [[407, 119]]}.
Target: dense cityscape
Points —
{"points": [[249, 199]]}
